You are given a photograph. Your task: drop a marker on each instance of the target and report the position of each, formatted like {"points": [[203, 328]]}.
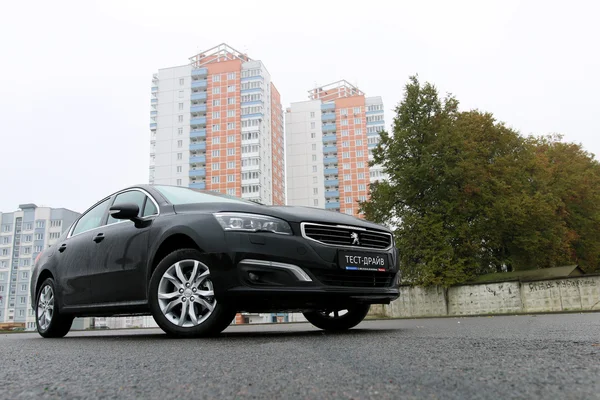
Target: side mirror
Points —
{"points": [[124, 211]]}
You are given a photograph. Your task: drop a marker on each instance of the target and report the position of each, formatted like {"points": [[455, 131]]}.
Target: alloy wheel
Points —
{"points": [[186, 293], [45, 307]]}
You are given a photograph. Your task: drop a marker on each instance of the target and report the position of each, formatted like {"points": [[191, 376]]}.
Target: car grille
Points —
{"points": [[354, 278], [345, 236]]}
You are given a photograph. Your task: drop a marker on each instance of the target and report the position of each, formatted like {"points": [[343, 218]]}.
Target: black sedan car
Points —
{"points": [[193, 259]]}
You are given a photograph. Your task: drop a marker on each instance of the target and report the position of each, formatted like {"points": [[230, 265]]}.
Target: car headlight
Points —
{"points": [[231, 221]]}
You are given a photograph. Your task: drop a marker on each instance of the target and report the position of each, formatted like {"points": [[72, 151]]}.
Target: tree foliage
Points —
{"points": [[470, 195]]}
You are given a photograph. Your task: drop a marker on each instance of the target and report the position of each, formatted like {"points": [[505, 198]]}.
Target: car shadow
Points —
{"points": [[133, 335]]}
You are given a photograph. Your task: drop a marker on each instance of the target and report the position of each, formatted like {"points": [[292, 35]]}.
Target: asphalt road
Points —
{"points": [[548, 356]]}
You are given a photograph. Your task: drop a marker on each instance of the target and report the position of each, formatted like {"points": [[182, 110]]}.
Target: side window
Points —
{"points": [[92, 219], [149, 209], [132, 196]]}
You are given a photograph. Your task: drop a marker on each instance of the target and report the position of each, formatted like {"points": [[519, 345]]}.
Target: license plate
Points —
{"points": [[355, 261]]}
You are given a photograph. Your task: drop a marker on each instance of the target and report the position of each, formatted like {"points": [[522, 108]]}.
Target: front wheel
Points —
{"points": [[50, 323], [339, 319], [182, 296]]}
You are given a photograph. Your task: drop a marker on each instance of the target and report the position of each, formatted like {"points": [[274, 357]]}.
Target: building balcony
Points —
{"points": [[200, 172], [331, 171], [153, 125], [198, 185], [330, 149], [332, 204], [153, 112], [330, 160], [255, 115], [328, 127], [253, 78], [332, 182], [153, 101], [198, 159], [198, 133], [332, 193], [252, 103], [154, 89], [200, 83], [329, 138], [198, 96], [199, 72], [199, 108], [198, 121], [369, 123], [253, 90], [330, 116], [374, 112], [372, 145], [198, 146], [328, 106]]}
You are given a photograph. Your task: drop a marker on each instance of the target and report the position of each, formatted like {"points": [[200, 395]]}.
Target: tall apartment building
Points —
{"points": [[217, 124], [329, 143], [23, 235]]}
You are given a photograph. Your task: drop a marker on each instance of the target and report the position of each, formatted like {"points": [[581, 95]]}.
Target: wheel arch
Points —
{"points": [[171, 241]]}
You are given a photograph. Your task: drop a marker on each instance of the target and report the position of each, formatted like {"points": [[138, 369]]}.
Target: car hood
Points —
{"points": [[287, 213]]}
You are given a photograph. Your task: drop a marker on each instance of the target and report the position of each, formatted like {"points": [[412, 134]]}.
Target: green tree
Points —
{"points": [[470, 195]]}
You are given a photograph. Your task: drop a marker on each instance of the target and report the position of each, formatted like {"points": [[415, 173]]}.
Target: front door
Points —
{"points": [[119, 260]]}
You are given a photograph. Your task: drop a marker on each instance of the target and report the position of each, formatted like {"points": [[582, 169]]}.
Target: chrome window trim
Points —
{"points": [[294, 269], [303, 231], [70, 235]]}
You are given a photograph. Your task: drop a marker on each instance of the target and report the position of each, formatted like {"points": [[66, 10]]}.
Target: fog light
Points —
{"points": [[253, 276]]}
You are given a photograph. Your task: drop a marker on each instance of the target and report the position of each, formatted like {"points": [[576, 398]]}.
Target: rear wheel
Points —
{"points": [[50, 323], [338, 319], [182, 297]]}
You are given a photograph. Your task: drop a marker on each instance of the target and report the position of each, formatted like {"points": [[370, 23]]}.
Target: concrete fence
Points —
{"points": [[555, 295]]}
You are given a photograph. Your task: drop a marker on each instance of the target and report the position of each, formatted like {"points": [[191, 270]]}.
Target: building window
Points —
{"points": [[346, 154], [23, 288], [216, 127], [181, 94], [344, 122], [180, 131], [347, 188], [178, 182], [315, 179], [314, 157], [230, 113], [216, 153], [231, 191], [362, 186], [358, 131], [346, 144], [231, 75], [360, 164], [179, 156], [37, 249], [215, 166], [356, 110], [230, 164], [6, 228], [314, 146], [179, 169], [314, 168], [359, 153], [6, 240], [216, 102], [28, 226], [344, 111], [315, 190], [361, 175], [27, 250], [180, 106], [181, 81], [180, 143], [231, 139], [345, 132], [362, 198], [316, 202], [230, 152], [4, 252], [216, 90], [230, 125], [356, 121], [180, 118], [231, 88], [39, 224], [215, 179], [313, 135], [216, 114], [312, 114], [312, 125], [231, 100], [348, 200], [359, 142], [55, 223], [230, 178], [54, 235], [216, 78]]}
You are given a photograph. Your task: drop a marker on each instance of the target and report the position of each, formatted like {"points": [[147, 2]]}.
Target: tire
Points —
{"points": [[179, 289], [324, 320], [46, 309]]}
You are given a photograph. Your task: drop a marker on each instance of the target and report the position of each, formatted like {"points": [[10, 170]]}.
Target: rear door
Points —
{"points": [[73, 256], [119, 263]]}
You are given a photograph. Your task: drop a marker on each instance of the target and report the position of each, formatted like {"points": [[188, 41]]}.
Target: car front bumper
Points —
{"points": [[262, 272]]}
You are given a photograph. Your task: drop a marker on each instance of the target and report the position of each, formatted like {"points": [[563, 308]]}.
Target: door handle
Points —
{"points": [[99, 237], [62, 247]]}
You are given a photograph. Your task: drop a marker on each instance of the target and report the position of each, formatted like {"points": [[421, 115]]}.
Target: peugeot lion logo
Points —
{"points": [[355, 239]]}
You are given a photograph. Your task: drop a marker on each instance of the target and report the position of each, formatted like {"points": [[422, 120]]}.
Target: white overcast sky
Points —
{"points": [[75, 76]]}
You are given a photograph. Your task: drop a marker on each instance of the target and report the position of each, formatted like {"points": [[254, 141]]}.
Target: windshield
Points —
{"points": [[181, 195]]}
